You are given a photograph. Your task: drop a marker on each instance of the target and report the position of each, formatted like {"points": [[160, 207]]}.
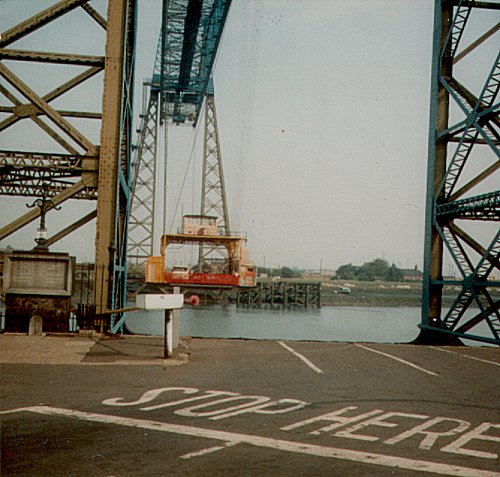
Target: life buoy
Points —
{"points": [[194, 300]]}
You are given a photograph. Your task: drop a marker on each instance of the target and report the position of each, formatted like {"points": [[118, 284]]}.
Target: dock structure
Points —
{"points": [[281, 295]]}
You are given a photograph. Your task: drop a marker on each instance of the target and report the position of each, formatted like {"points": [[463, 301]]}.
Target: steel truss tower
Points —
{"points": [[463, 198], [189, 38], [142, 212], [213, 189], [74, 166]]}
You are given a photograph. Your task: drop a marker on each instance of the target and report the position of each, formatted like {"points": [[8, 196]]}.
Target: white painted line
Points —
{"points": [[208, 450], [480, 359], [303, 358], [432, 373], [18, 409], [466, 356], [269, 443]]}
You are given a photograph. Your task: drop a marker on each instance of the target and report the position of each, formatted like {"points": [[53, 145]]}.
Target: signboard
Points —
{"points": [[38, 273]]}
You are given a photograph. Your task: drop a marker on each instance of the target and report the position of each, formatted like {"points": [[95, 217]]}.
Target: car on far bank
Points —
{"points": [[344, 290]]}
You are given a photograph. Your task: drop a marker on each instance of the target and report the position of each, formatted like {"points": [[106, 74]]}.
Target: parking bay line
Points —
{"points": [[466, 356], [301, 357], [408, 363], [267, 442]]}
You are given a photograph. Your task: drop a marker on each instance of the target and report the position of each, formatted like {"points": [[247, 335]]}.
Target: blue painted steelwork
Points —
{"points": [[189, 39], [185, 60], [453, 196], [118, 256], [482, 207]]}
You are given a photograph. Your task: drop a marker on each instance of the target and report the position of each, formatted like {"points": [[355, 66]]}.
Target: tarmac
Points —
{"points": [[114, 407], [85, 350]]}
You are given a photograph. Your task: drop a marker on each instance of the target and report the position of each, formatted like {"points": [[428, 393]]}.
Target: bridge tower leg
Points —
{"points": [[142, 212], [114, 158], [213, 189], [458, 193]]}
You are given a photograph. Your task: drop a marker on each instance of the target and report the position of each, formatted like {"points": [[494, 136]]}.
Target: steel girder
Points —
{"points": [[115, 165], [464, 132], [27, 174], [193, 32], [84, 170]]}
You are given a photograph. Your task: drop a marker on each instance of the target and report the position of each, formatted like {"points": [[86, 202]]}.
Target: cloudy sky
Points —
{"points": [[323, 118]]}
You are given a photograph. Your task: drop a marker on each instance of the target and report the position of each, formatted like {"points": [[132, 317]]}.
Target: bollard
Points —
{"points": [[167, 303]]}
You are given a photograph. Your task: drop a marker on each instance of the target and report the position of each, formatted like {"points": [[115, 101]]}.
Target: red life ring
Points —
{"points": [[194, 300]]}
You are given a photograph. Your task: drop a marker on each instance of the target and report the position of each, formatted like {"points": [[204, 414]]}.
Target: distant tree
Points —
{"points": [[287, 272], [377, 269], [347, 272], [394, 274]]}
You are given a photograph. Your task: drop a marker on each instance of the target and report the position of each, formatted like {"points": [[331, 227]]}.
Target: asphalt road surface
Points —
{"points": [[248, 408]]}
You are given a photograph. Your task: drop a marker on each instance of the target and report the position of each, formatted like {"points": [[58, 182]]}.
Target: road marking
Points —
{"points": [[466, 356], [267, 442], [303, 358], [208, 450], [397, 359]]}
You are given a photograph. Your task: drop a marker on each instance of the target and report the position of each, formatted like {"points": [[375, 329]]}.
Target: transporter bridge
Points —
{"points": [[237, 270]]}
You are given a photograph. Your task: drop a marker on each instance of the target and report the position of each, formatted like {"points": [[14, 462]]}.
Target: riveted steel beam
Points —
{"points": [[48, 161], [477, 43], [21, 110], [476, 4], [39, 20], [47, 57], [63, 113], [95, 15], [51, 113]]}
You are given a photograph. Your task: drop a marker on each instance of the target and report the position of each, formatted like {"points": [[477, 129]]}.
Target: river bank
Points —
{"points": [[361, 293], [370, 293], [378, 293]]}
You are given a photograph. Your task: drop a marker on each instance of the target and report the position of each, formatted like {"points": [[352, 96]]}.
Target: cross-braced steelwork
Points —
{"points": [[142, 212], [190, 35], [464, 160], [213, 189], [194, 29], [75, 163]]}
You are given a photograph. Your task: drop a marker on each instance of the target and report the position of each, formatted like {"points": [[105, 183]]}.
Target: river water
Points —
{"points": [[339, 323], [330, 323]]}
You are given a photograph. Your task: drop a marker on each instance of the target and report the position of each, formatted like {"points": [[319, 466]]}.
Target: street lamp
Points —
{"points": [[45, 205]]}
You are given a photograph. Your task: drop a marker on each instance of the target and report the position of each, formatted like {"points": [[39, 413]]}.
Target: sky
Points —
{"points": [[323, 110]]}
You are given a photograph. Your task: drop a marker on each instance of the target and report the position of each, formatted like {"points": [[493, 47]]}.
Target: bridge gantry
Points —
{"points": [[179, 87], [76, 167]]}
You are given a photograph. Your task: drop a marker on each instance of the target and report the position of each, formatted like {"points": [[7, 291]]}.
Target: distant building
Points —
{"points": [[412, 274]]}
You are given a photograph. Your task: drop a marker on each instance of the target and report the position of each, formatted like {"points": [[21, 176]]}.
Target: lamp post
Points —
{"points": [[45, 205]]}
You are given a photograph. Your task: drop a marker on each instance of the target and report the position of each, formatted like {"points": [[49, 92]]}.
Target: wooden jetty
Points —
{"points": [[281, 295]]}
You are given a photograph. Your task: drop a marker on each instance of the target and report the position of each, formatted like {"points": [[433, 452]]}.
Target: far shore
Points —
{"points": [[375, 293]]}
